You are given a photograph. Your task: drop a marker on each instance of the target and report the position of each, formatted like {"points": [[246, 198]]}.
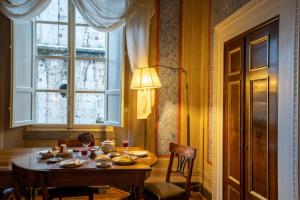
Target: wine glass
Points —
{"points": [[55, 152], [125, 144], [85, 145]]}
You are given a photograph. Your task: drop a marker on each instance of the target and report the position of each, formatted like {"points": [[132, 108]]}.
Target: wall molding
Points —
{"points": [[250, 15]]}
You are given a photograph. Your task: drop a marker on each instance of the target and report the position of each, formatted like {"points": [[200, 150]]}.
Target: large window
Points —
{"points": [[77, 70]]}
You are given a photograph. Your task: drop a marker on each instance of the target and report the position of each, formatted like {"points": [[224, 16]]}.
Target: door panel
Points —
{"points": [[233, 194], [233, 138], [250, 114], [261, 113], [258, 138], [233, 123]]}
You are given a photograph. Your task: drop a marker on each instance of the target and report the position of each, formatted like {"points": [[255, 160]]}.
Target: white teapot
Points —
{"points": [[107, 146]]}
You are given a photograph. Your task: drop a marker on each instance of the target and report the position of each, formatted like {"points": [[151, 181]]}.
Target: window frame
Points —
{"points": [[71, 58]]}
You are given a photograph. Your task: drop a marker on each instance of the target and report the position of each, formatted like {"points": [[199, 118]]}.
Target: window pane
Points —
{"points": [[52, 74], [52, 39], [89, 75], [79, 18], [90, 42], [89, 108], [57, 11], [51, 108]]}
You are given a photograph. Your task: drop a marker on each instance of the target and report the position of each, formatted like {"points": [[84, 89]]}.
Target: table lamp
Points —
{"points": [[145, 78]]}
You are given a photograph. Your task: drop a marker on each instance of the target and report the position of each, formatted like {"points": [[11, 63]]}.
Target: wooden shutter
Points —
{"points": [[22, 100], [114, 78]]}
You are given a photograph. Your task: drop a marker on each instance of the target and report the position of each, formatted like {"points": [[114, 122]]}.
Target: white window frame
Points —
{"points": [[71, 58]]}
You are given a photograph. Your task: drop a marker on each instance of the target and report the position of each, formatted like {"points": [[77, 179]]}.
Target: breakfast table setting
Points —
{"points": [[83, 166]]}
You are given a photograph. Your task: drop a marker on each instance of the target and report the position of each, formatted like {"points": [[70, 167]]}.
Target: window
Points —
{"points": [[75, 75]]}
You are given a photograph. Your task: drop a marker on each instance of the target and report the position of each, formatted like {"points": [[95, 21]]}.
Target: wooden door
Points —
{"points": [[250, 114], [261, 113], [233, 119]]}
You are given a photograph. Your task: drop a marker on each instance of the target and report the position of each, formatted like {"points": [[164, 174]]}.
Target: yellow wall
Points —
{"points": [[195, 55], [195, 60]]}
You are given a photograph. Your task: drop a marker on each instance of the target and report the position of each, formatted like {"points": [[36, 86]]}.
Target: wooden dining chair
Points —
{"points": [[27, 179], [72, 142], [166, 190], [7, 194]]}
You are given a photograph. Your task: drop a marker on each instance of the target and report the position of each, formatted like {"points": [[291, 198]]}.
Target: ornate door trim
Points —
{"points": [[250, 15]]}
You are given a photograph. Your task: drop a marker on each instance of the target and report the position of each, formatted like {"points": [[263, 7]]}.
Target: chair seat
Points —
{"points": [[163, 190], [70, 191]]}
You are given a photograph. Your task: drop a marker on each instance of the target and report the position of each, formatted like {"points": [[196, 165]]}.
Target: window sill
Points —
{"points": [[63, 128], [55, 133]]}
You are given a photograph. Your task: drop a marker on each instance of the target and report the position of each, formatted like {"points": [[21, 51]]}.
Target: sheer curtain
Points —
{"points": [[105, 15], [22, 9]]}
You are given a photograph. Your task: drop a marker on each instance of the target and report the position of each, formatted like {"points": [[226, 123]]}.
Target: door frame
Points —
{"points": [[251, 15]]}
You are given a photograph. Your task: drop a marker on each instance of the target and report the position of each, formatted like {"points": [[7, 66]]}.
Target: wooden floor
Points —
{"points": [[114, 194], [107, 197]]}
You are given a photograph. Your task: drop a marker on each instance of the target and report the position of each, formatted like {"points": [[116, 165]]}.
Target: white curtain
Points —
{"points": [[137, 39], [102, 15], [105, 15], [22, 9]]}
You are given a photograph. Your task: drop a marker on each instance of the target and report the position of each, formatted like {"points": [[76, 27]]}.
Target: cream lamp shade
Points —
{"points": [[145, 78]]}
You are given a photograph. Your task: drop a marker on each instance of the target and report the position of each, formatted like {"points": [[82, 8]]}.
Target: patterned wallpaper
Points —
{"points": [[169, 46], [223, 8]]}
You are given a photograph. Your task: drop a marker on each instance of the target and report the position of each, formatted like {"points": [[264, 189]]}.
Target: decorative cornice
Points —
{"points": [[236, 15]]}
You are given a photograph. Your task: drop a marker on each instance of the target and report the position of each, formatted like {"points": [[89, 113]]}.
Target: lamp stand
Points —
{"points": [[145, 134]]}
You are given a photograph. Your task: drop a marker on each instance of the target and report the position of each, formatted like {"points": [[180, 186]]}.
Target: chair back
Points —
{"points": [[72, 142], [27, 178], [185, 158]]}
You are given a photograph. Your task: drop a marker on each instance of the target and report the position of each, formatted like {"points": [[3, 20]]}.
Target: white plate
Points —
{"points": [[72, 163]]}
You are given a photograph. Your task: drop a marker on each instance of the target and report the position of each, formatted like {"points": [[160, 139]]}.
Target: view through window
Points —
{"points": [[71, 67]]}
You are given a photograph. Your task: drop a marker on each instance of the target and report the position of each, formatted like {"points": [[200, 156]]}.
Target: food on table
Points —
{"points": [[123, 160], [114, 154], [54, 160], [72, 163], [103, 164], [55, 148], [140, 154], [102, 157], [50, 153]]}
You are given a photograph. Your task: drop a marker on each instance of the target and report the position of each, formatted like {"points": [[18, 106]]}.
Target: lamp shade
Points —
{"points": [[144, 78]]}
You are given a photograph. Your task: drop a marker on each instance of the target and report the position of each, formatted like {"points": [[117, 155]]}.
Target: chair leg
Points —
{"points": [[27, 193], [91, 196], [33, 193]]}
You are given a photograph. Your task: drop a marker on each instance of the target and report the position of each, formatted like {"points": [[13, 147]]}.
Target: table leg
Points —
{"points": [[139, 192]]}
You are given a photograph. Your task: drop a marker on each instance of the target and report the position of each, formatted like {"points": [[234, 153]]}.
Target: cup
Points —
{"points": [[63, 148]]}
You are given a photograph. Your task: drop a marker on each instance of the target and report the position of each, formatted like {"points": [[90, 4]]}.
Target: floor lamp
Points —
{"points": [[147, 78]]}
